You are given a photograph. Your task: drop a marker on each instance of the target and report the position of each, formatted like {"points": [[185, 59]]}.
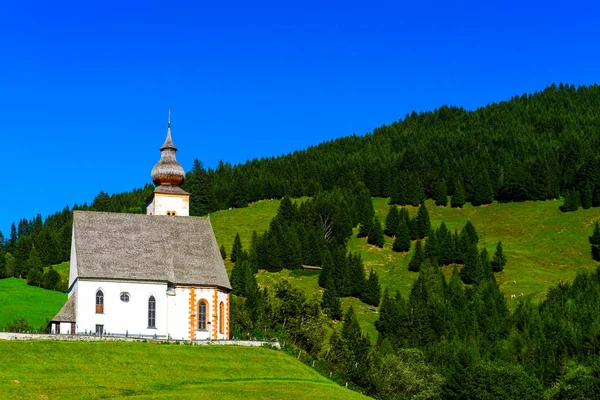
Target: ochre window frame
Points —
{"points": [[221, 318]]}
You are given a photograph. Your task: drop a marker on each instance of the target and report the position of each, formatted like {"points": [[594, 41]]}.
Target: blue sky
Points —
{"points": [[85, 87]]}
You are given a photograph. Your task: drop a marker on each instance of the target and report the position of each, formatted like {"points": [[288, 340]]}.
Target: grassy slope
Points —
{"points": [[17, 299], [35, 369], [542, 244], [62, 269]]}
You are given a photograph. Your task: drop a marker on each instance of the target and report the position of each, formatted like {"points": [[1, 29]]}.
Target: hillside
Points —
{"points": [[35, 369], [17, 299], [543, 245]]}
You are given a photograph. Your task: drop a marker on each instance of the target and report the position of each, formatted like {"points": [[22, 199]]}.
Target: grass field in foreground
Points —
{"points": [[17, 299], [36, 369]]}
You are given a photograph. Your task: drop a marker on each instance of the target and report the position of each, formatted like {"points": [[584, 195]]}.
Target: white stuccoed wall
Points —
{"points": [[172, 312], [120, 317], [161, 203]]}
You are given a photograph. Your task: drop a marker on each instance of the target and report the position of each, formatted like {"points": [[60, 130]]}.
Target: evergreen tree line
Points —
{"points": [[481, 350], [595, 242], [532, 147], [313, 233], [403, 229]]}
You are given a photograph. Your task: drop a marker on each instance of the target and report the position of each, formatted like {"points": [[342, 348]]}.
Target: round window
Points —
{"points": [[125, 297]]}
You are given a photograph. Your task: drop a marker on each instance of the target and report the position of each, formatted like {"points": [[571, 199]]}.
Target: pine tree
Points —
{"points": [[402, 240], [391, 221], [363, 229], [470, 230], [400, 189], [327, 268], [356, 274], [372, 292], [486, 265], [413, 228], [12, 240], [238, 278], [237, 248], [287, 210], [417, 259], [223, 252], [36, 268], [431, 249], [499, 259], [483, 193], [595, 238], [423, 223], [441, 193], [197, 183], [331, 302], [595, 242], [458, 199], [471, 272], [376, 234], [365, 211], [586, 197], [51, 279], [571, 201], [2, 264], [444, 244]]}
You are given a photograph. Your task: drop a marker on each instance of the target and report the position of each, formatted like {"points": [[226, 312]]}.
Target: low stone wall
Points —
{"points": [[88, 338]]}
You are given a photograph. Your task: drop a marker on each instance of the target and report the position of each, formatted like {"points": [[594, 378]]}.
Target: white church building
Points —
{"points": [[155, 275]]}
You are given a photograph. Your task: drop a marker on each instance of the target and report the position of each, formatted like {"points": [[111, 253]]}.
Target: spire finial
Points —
{"points": [[169, 123]]}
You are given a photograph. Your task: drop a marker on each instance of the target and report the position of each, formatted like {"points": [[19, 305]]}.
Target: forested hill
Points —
{"points": [[531, 147]]}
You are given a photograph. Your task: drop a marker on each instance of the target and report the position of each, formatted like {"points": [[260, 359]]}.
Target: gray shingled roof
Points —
{"points": [[67, 312], [180, 250]]}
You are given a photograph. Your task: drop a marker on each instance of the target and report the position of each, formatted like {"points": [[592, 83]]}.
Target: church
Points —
{"points": [[157, 275]]}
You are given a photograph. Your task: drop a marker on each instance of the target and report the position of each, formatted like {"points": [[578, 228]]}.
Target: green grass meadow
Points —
{"points": [[542, 244], [17, 299], [84, 370]]}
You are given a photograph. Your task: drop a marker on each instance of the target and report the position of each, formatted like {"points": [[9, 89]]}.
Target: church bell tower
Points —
{"points": [[168, 198]]}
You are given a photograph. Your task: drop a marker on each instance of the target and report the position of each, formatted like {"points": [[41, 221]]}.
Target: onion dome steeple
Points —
{"points": [[168, 172]]}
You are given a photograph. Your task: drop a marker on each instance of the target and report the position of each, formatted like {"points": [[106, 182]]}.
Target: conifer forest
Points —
{"points": [[454, 336]]}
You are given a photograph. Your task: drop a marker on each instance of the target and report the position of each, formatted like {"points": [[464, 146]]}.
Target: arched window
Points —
{"points": [[202, 315], [221, 318], [151, 312], [99, 302]]}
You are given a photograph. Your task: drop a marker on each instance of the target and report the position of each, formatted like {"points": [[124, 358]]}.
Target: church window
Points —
{"points": [[151, 312], [125, 297], [221, 317], [202, 307], [99, 302]]}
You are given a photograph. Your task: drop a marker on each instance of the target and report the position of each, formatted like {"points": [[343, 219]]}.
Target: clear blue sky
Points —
{"points": [[85, 88]]}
